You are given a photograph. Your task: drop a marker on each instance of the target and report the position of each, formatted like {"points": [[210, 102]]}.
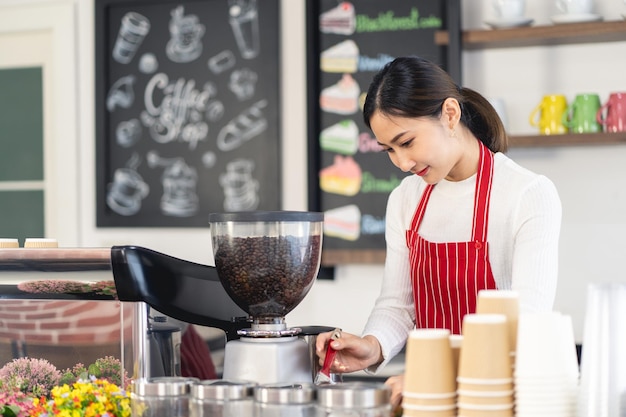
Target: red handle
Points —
{"points": [[328, 359]]}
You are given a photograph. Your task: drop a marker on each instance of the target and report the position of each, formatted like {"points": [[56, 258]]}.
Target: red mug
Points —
{"points": [[612, 114]]}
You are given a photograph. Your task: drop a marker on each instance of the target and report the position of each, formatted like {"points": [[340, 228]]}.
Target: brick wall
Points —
{"points": [[63, 331], [61, 321]]}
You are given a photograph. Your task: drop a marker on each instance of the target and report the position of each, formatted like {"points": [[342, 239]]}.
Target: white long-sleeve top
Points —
{"points": [[523, 235]]}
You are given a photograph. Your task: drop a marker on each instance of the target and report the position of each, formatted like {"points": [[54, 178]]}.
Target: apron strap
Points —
{"points": [[482, 194]]}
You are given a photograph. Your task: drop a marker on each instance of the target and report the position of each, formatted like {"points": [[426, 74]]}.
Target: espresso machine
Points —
{"points": [[265, 264]]}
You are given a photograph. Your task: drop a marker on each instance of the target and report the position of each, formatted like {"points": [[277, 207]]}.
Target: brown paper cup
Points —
{"points": [[468, 410], [456, 341], [501, 302], [488, 385], [428, 411], [485, 353], [498, 397], [443, 399], [429, 365]]}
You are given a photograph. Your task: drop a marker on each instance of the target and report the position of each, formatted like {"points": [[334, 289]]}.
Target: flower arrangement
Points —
{"points": [[34, 387], [31, 376], [84, 398]]}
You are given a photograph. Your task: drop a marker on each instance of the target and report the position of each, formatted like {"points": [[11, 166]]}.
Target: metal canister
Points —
{"points": [[221, 398], [354, 399], [161, 396], [284, 400]]}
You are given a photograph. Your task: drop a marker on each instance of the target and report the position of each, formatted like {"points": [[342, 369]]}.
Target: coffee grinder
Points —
{"points": [[267, 262]]}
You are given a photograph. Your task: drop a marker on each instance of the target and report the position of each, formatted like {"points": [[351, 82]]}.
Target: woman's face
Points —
{"points": [[425, 146]]}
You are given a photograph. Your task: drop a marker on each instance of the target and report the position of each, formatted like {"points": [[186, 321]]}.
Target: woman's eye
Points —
{"points": [[407, 143]]}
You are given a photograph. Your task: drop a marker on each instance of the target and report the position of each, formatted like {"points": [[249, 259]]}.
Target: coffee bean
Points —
{"points": [[267, 276]]}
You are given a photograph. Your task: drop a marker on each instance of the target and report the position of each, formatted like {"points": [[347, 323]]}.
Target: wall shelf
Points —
{"points": [[570, 139], [541, 35]]}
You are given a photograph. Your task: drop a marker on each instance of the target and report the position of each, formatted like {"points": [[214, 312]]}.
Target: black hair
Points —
{"points": [[412, 86]]}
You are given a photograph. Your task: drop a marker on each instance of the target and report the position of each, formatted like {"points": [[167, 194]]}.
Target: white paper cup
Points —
{"points": [[546, 346]]}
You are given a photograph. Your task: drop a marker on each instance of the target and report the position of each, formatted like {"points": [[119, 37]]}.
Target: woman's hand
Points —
{"points": [[396, 383], [354, 353]]}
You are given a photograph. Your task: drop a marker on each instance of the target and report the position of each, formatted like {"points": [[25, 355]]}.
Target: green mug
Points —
{"points": [[580, 116]]}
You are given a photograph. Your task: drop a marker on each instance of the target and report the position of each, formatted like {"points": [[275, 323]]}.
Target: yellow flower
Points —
{"points": [[91, 398]]}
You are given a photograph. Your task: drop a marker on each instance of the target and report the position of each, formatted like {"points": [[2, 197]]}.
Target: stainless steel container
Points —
{"points": [[161, 397], [222, 398], [355, 399], [284, 400]]}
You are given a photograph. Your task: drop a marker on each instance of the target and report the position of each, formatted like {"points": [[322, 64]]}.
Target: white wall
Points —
{"points": [[590, 179]]}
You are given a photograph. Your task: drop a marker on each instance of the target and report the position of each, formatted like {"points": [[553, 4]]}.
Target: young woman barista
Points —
{"points": [[469, 218]]}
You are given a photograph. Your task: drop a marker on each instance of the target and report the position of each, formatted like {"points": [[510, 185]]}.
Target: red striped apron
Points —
{"points": [[446, 277]]}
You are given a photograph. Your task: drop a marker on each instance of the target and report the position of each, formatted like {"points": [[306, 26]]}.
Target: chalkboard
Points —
{"points": [[187, 110], [350, 179]]}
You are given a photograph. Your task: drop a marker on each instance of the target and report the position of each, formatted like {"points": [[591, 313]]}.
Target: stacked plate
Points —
{"points": [[546, 370]]}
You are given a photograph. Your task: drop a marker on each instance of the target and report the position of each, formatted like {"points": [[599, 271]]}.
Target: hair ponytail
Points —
{"points": [[415, 87], [482, 120]]}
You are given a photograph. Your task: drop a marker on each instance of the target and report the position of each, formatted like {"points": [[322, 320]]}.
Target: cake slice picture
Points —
{"points": [[343, 222], [340, 20], [342, 137], [343, 177], [342, 57], [342, 97]]}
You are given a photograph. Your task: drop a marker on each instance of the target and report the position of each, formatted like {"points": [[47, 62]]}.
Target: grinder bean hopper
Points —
{"points": [[267, 263]]}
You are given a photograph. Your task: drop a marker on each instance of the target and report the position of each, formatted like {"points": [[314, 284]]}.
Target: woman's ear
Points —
{"points": [[450, 112]]}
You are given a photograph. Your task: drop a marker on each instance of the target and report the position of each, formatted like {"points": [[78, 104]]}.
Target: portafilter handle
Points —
{"points": [[178, 288]]}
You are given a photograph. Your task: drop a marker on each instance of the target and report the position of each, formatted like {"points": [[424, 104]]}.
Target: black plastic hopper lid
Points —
{"points": [[267, 216]]}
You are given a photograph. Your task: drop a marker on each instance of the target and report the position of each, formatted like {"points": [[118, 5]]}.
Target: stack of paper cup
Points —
{"points": [[485, 380], [603, 360], [501, 302], [429, 376], [546, 371], [456, 341]]}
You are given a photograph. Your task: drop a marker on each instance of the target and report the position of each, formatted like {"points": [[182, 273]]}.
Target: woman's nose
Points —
{"points": [[405, 163]]}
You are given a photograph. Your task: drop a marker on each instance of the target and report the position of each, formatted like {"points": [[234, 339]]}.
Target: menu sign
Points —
{"points": [[353, 40], [187, 110]]}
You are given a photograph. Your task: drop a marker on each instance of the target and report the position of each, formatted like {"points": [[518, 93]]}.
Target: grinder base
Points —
{"points": [[268, 360]]}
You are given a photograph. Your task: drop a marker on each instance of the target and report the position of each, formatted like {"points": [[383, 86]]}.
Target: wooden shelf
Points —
{"points": [[570, 139], [570, 33], [333, 257]]}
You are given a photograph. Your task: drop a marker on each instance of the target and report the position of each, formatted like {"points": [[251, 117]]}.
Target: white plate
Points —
{"points": [[574, 18], [509, 23]]}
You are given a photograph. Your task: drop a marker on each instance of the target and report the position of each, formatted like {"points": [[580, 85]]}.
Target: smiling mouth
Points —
{"points": [[422, 172]]}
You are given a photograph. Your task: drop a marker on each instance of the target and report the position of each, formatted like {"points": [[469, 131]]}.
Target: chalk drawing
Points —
{"points": [[179, 181]]}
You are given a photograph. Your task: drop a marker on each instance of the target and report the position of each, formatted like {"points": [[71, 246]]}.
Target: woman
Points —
{"points": [[468, 219]]}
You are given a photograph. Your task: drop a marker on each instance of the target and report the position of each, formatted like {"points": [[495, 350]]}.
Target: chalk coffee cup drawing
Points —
{"points": [[580, 116], [612, 114], [548, 115], [126, 192], [244, 22], [132, 32]]}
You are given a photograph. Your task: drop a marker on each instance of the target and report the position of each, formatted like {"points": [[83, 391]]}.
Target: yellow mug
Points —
{"points": [[548, 115]]}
